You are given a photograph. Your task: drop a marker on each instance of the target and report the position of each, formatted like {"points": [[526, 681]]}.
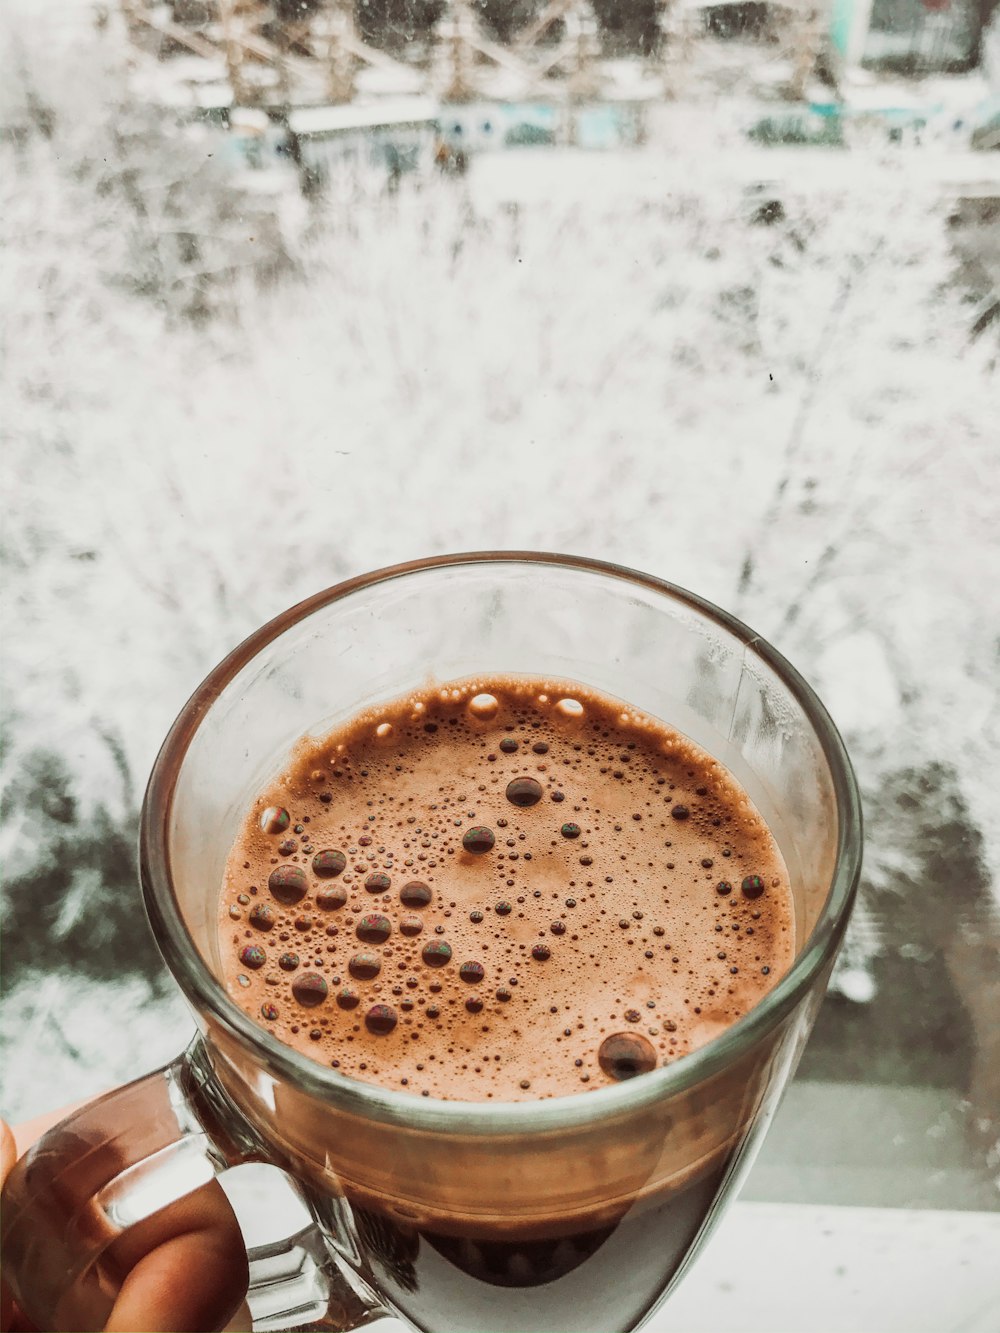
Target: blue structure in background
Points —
{"points": [[486, 126]]}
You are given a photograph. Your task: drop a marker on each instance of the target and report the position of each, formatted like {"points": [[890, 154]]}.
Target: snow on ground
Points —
{"points": [[768, 395]]}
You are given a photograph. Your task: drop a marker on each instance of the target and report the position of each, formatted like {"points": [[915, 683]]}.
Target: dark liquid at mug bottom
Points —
{"points": [[598, 1281]]}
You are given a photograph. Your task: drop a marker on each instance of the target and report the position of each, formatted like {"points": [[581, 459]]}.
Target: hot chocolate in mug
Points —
{"points": [[570, 1213]]}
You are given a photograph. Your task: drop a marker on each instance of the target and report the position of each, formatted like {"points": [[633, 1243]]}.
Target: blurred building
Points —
{"points": [[910, 36]]}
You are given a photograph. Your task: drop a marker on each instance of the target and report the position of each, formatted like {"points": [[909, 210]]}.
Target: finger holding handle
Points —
{"points": [[112, 1219]]}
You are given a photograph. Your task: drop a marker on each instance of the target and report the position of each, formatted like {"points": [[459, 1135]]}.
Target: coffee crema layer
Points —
{"points": [[505, 888]]}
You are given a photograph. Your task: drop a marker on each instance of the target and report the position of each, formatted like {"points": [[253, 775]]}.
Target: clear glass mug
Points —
{"points": [[576, 1213]]}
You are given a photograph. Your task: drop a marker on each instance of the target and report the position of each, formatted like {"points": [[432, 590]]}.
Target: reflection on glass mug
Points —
{"points": [[573, 1211]]}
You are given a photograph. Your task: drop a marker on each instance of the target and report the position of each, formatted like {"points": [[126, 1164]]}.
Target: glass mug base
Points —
{"points": [[574, 1213]]}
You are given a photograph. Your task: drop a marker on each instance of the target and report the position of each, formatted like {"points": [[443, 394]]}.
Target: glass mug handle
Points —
{"points": [[119, 1160]]}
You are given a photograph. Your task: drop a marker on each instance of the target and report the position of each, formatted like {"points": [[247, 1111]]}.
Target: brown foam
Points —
{"points": [[650, 948]]}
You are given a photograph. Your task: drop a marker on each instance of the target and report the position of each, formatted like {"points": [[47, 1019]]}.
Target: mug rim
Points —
{"points": [[205, 993]]}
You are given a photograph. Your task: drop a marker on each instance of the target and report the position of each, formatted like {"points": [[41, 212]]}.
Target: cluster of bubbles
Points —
{"points": [[289, 885], [620, 1055]]}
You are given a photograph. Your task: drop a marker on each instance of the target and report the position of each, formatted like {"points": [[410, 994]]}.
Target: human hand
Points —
{"points": [[184, 1270]]}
